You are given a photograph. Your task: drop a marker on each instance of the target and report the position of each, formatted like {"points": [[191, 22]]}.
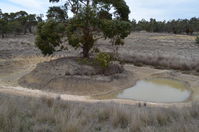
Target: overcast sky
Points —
{"points": [[159, 9]]}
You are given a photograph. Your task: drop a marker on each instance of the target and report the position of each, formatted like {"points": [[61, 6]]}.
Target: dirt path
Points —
{"points": [[20, 91]]}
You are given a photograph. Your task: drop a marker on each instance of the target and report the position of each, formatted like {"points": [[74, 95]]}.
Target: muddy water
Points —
{"points": [[158, 90]]}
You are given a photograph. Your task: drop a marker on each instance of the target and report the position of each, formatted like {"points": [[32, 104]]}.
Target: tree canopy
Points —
{"points": [[174, 26], [17, 23], [57, 13], [93, 19]]}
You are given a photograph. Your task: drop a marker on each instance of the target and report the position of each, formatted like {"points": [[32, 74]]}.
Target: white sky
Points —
{"points": [[159, 9]]}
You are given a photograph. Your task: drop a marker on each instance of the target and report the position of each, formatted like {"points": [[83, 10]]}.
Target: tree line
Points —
{"points": [[18, 23], [179, 26]]}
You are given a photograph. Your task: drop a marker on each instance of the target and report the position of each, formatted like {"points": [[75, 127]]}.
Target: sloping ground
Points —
{"points": [[14, 68], [70, 76]]}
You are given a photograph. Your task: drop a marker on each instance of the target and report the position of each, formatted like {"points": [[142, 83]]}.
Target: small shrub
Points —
{"points": [[197, 39], [103, 59]]}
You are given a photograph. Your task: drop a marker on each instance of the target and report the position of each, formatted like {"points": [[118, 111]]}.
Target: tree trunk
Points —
{"points": [[85, 51], [2, 35], [30, 29], [88, 38]]}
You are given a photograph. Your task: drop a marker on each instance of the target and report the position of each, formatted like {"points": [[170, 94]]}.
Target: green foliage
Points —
{"points": [[103, 59], [197, 39], [57, 13], [115, 30], [16, 23], [94, 19], [16, 27], [122, 10], [173, 26], [49, 36]]}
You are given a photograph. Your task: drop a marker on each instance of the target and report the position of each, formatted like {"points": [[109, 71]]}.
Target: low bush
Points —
{"points": [[197, 39], [103, 59]]}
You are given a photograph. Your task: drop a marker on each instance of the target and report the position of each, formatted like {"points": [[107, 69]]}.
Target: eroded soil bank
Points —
{"points": [[68, 75]]}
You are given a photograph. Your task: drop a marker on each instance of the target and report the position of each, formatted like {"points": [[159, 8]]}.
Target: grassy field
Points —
{"points": [[23, 114]]}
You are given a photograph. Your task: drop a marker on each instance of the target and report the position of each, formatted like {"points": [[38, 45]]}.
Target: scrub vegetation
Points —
{"points": [[17, 23], [22, 114], [180, 26]]}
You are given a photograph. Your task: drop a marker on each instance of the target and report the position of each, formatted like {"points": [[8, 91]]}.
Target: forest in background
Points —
{"points": [[21, 22]]}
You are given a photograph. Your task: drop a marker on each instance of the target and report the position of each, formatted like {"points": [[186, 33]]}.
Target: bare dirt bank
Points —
{"points": [[67, 75]]}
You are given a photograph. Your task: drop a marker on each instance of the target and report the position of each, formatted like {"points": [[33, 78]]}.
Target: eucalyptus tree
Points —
{"points": [[39, 18], [4, 17], [93, 19], [57, 13]]}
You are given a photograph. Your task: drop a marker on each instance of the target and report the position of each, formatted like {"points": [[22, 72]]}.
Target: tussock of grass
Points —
{"points": [[21, 114]]}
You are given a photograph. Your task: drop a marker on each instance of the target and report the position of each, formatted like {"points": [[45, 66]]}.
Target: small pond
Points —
{"points": [[159, 90]]}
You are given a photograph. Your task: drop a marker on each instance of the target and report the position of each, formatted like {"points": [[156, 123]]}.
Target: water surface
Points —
{"points": [[156, 90]]}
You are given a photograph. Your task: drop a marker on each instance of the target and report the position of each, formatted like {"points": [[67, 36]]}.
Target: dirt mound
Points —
{"points": [[71, 76]]}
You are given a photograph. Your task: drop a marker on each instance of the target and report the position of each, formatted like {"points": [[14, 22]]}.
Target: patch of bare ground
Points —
{"points": [[14, 68], [71, 76], [22, 114]]}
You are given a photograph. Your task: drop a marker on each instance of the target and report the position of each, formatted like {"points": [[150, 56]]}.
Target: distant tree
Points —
{"points": [[39, 18], [133, 24], [175, 26], [3, 24], [16, 23], [22, 18], [31, 22], [16, 27], [94, 19]]}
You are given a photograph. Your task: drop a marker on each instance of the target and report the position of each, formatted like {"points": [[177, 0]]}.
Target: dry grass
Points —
{"points": [[160, 61], [161, 50], [157, 49], [173, 36], [22, 114]]}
